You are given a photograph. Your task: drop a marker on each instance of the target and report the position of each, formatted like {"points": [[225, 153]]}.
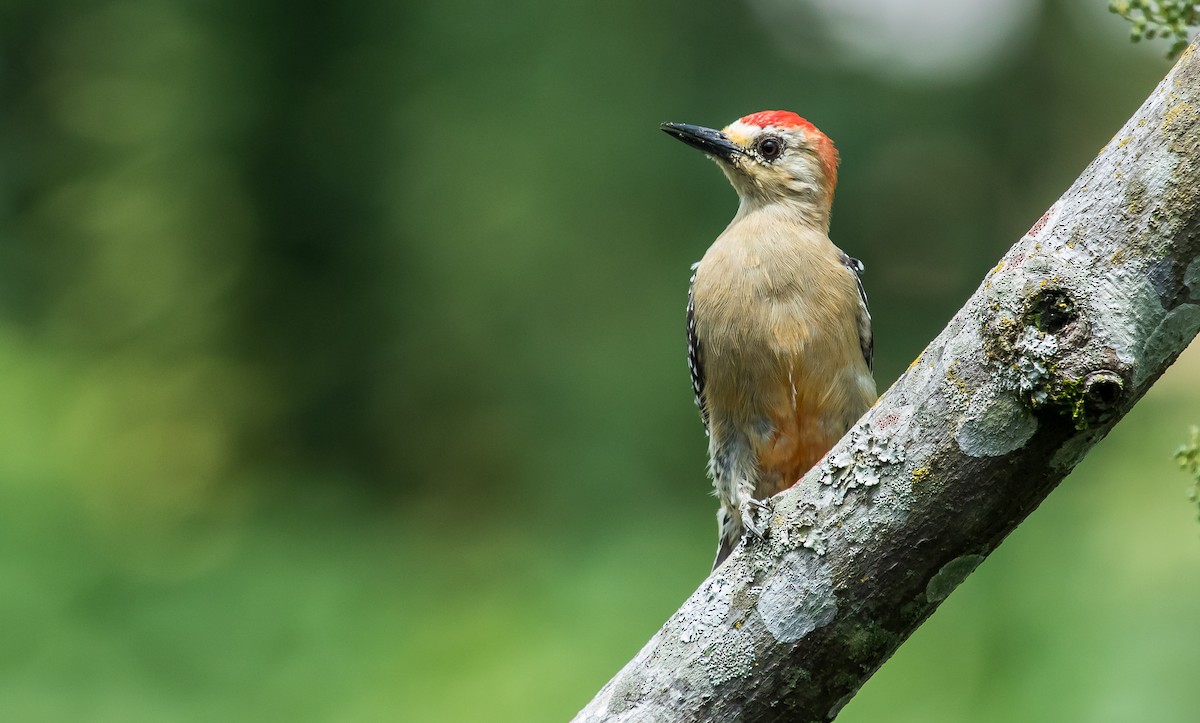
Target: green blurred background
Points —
{"points": [[342, 364]]}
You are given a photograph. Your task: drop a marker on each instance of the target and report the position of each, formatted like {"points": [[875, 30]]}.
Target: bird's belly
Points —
{"points": [[789, 406], [798, 441]]}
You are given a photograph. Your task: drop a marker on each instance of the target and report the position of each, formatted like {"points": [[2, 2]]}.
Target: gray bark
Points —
{"points": [[1063, 336]]}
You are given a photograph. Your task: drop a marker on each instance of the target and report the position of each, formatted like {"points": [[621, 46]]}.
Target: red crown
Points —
{"points": [[779, 118]]}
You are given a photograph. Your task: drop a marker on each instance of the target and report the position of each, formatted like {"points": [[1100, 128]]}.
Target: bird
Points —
{"points": [[779, 338]]}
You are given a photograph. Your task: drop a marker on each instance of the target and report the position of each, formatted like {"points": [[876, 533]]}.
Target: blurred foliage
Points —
{"points": [[342, 350], [1188, 457], [1151, 19]]}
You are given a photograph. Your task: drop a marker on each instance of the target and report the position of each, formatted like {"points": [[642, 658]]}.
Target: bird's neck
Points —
{"points": [[807, 211]]}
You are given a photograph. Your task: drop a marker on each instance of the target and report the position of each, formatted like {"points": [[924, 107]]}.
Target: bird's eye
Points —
{"points": [[770, 148]]}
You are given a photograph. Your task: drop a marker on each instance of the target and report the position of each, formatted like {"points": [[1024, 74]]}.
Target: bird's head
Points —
{"points": [[770, 156]]}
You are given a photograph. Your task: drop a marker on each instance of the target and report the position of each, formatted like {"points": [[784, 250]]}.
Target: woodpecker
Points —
{"points": [[779, 333]]}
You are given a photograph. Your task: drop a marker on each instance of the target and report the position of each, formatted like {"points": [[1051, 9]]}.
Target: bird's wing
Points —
{"points": [[695, 362], [865, 338]]}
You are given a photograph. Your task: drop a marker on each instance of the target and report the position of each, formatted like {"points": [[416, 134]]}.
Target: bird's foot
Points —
{"points": [[753, 527]]}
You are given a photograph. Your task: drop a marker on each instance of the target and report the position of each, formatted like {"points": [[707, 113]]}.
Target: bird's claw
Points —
{"points": [[748, 521]]}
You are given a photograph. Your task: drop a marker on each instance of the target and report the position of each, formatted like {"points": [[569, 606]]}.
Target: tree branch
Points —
{"points": [[1064, 335]]}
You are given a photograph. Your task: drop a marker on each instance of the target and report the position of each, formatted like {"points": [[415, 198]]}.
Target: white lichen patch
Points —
{"points": [[797, 528], [963, 345], [1131, 310], [733, 658], [1073, 450], [858, 463], [798, 598], [701, 626], [889, 509], [706, 621], [816, 542], [841, 703], [1176, 329], [1031, 369], [1191, 279], [997, 423], [951, 576]]}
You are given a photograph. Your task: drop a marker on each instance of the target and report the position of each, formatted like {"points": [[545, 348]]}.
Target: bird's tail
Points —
{"points": [[729, 530], [724, 547]]}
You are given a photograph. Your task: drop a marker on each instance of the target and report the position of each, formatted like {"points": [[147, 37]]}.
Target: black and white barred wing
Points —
{"points": [[865, 337], [695, 352]]}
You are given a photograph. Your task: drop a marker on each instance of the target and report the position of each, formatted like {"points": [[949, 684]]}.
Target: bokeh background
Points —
{"points": [[342, 363]]}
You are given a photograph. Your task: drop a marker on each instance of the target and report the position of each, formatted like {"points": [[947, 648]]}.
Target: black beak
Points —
{"points": [[714, 143]]}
